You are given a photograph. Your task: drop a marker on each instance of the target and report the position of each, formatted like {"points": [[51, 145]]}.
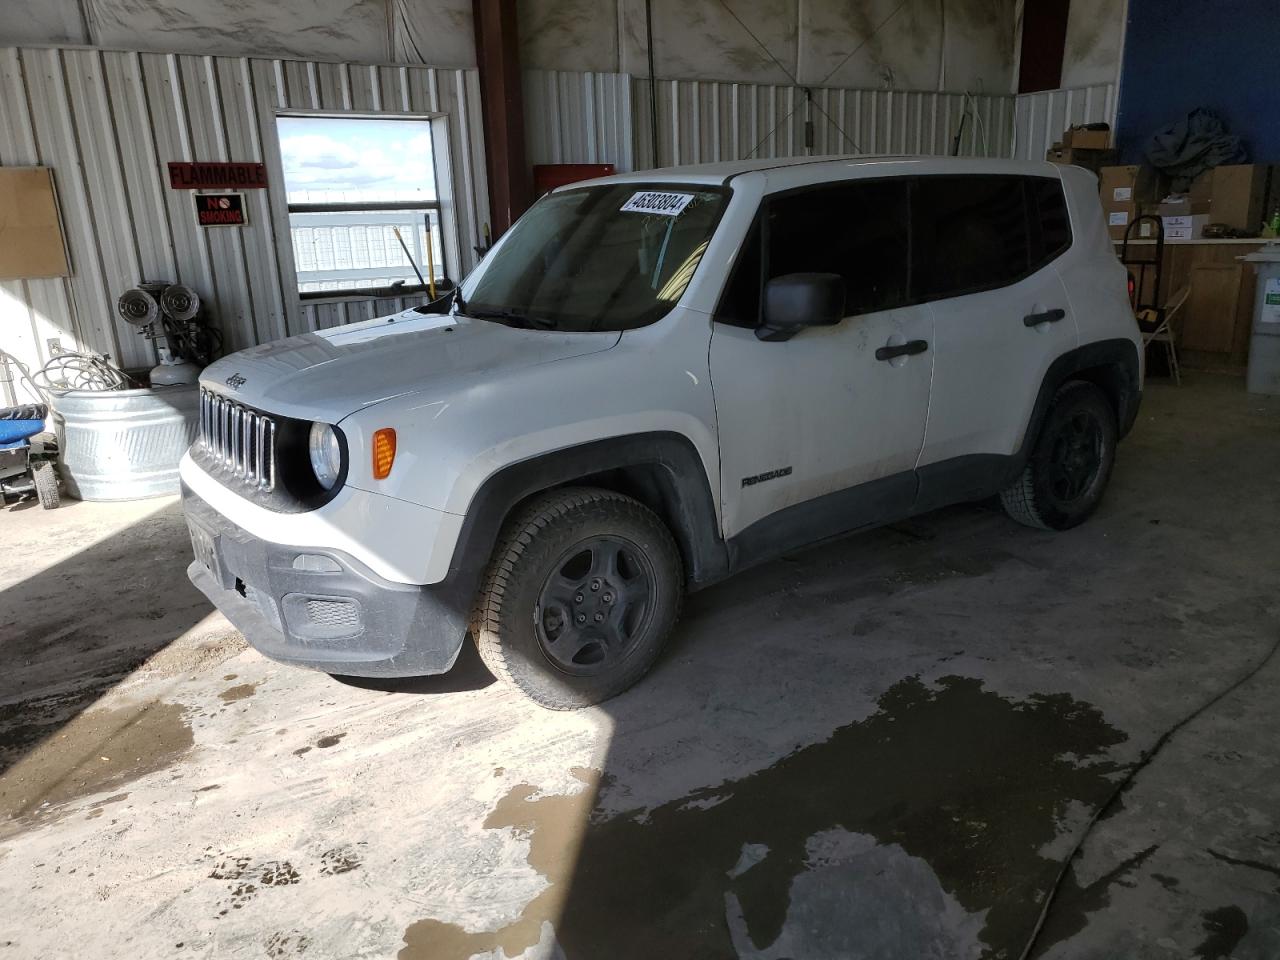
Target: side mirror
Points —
{"points": [[798, 300]]}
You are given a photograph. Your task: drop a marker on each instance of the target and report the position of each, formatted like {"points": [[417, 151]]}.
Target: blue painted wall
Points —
{"points": [[1182, 54]]}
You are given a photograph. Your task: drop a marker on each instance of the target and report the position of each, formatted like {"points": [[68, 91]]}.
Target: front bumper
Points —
{"points": [[329, 611]]}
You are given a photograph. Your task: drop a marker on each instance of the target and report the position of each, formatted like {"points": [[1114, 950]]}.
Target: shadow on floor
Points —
{"points": [[468, 673], [74, 630]]}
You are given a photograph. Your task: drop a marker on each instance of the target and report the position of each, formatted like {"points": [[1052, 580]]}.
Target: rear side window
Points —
{"points": [[971, 233], [858, 230], [1050, 222]]}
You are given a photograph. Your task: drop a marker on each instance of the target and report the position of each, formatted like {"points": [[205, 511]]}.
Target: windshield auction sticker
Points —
{"points": [[666, 204]]}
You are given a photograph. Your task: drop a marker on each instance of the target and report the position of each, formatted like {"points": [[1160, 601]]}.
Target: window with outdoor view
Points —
{"points": [[364, 213]]}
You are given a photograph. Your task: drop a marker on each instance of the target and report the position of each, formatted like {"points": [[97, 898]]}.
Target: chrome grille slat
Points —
{"points": [[240, 439]]}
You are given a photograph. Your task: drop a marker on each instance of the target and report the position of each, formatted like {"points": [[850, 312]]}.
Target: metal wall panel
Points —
{"points": [[709, 121], [1040, 118], [107, 122], [578, 118], [323, 314]]}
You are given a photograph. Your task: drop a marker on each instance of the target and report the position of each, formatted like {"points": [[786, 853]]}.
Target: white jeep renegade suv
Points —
{"points": [[651, 382]]}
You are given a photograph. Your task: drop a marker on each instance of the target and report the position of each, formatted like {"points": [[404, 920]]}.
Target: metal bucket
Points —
{"points": [[124, 444]]}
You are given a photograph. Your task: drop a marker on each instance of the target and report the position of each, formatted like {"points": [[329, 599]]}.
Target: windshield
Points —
{"points": [[611, 257]]}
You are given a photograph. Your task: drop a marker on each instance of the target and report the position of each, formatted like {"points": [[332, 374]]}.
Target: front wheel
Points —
{"points": [[583, 589], [1070, 464], [45, 478]]}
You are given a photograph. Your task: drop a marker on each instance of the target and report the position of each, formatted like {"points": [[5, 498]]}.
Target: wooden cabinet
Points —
{"points": [[1212, 330]]}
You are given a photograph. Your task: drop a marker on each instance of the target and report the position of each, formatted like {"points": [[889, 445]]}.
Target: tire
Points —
{"points": [[1070, 463], [46, 481], [583, 589]]}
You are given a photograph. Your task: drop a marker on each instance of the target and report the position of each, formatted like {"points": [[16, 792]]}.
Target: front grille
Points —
{"points": [[239, 439]]}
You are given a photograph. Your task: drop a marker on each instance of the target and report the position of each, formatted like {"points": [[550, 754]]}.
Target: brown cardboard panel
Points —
{"points": [[1119, 216], [1183, 207], [1081, 139], [1202, 187], [1239, 191], [31, 243], [1128, 183], [1089, 159]]}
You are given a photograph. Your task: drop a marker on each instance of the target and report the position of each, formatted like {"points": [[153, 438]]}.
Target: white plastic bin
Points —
{"points": [[1264, 345]]}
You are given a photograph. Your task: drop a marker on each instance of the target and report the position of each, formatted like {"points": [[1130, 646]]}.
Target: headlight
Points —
{"points": [[326, 454]]}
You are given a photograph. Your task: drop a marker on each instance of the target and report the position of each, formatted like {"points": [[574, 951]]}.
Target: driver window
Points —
{"points": [[858, 229]]}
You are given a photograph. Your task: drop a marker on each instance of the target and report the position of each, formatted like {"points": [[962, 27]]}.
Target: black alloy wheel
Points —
{"points": [[1069, 463], [1076, 459], [594, 604]]}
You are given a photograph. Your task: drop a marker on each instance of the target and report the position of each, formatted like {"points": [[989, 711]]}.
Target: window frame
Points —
{"points": [[438, 205], [1031, 211]]}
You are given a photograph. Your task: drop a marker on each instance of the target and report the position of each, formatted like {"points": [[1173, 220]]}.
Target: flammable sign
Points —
{"points": [[220, 209]]}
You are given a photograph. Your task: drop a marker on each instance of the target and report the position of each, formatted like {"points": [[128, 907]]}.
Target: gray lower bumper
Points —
{"points": [[328, 612]]}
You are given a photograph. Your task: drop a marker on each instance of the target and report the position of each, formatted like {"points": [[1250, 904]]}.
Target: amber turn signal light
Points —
{"points": [[384, 452]]}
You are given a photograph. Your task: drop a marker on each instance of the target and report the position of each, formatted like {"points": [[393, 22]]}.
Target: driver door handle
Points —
{"points": [[910, 348], [1049, 316]]}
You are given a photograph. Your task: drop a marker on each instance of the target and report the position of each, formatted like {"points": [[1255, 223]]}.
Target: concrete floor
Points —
{"points": [[883, 747]]}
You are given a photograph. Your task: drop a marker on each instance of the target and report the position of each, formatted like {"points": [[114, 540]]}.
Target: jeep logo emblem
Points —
{"points": [[235, 381]]}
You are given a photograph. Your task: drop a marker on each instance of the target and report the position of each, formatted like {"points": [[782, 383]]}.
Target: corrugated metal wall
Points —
{"points": [[1040, 118], [322, 314], [107, 122], [702, 122], [578, 118]]}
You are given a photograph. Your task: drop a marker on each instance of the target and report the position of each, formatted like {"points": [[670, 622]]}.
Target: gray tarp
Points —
{"points": [[1192, 146]]}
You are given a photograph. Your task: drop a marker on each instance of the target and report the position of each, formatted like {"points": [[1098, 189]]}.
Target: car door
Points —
{"points": [[982, 253], [820, 433]]}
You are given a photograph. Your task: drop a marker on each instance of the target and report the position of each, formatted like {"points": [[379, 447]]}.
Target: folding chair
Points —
{"points": [[1161, 330]]}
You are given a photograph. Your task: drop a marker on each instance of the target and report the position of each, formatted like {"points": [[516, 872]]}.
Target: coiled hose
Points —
{"points": [[71, 371]]}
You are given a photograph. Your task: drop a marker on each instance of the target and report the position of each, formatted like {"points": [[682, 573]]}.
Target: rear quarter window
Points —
{"points": [[1050, 221]]}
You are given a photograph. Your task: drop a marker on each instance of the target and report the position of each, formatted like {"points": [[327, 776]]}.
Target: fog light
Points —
{"points": [[384, 452], [315, 563]]}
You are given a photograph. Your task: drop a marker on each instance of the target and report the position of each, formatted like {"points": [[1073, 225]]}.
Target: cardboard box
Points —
{"points": [[1239, 193], [1078, 138], [1093, 160], [1184, 206], [1202, 187], [1185, 227], [1130, 183], [1119, 216]]}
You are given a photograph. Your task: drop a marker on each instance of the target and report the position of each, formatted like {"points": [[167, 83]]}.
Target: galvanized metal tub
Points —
{"points": [[124, 444]]}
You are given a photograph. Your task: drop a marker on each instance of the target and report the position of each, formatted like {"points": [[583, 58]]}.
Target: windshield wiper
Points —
{"points": [[514, 318]]}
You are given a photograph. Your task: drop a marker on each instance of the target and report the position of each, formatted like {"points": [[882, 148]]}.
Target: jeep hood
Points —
{"points": [[330, 374]]}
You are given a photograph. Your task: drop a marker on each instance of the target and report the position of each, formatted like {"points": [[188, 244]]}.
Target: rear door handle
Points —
{"points": [[910, 348], [1049, 316]]}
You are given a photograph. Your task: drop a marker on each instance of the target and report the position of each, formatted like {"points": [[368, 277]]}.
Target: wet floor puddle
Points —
{"points": [[963, 786]]}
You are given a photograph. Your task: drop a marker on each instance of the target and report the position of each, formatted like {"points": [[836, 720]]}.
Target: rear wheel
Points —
{"points": [[45, 478], [1070, 464], [584, 587]]}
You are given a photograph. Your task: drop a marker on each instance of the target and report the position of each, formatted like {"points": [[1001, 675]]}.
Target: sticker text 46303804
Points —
{"points": [[665, 204]]}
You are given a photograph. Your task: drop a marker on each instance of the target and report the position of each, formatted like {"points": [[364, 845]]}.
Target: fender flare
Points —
{"points": [[1112, 364], [682, 486]]}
